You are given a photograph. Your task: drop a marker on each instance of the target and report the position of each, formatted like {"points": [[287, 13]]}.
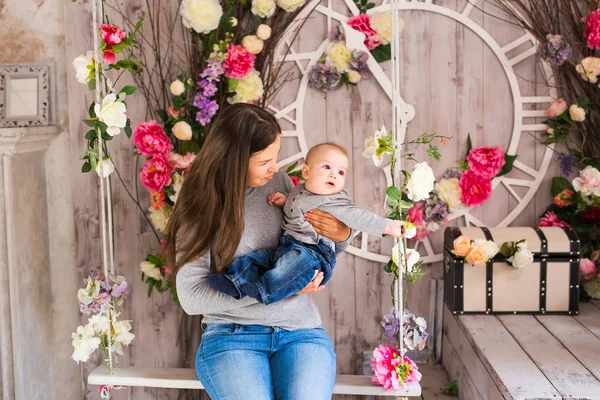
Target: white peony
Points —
{"points": [[410, 255], [159, 218], [177, 87], [105, 168], [577, 113], [250, 88], [354, 76], [372, 145], [81, 65], [290, 5], [489, 246], [112, 113], [202, 16], [449, 192], [176, 185], [263, 32], [150, 270], [382, 25], [182, 130], [421, 182], [253, 44], [522, 258], [84, 342], [339, 55], [263, 8]]}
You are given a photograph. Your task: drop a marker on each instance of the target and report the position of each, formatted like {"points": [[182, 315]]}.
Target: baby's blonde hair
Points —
{"points": [[318, 146]]}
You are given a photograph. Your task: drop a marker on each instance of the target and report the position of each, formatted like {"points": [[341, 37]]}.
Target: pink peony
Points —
{"points": [[392, 371], [550, 219], [109, 56], [295, 180], [563, 199], [156, 173], [362, 23], [151, 140], [372, 41], [557, 107], [474, 188], [178, 161], [486, 162], [587, 269], [416, 215], [239, 62], [592, 29], [111, 34]]}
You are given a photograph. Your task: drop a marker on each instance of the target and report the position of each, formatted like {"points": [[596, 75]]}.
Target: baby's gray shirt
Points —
{"points": [[300, 200]]}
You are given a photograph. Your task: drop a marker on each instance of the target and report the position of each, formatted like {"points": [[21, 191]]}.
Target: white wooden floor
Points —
{"points": [[523, 356]]}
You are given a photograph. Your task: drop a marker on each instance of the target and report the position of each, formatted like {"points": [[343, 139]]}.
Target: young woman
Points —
{"points": [[248, 350]]}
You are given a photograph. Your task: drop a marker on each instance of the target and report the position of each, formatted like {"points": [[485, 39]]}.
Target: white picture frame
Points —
{"points": [[24, 95]]}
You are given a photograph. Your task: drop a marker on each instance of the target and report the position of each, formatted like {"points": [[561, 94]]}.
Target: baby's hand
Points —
{"points": [[277, 199], [395, 228]]}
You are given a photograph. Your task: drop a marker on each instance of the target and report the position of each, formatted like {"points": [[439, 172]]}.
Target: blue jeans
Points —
{"points": [[272, 275], [265, 363]]}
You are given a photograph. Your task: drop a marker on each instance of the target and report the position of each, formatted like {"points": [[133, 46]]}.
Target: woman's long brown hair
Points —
{"points": [[209, 212]]}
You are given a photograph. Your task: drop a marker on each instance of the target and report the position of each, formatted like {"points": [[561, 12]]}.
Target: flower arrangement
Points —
{"points": [[576, 204], [476, 252], [414, 328], [391, 369], [517, 254], [103, 330]]}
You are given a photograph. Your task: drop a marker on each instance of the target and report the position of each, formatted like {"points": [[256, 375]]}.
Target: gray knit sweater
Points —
{"points": [[262, 229]]}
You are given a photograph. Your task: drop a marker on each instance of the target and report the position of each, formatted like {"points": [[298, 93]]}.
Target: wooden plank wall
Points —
{"points": [[457, 87]]}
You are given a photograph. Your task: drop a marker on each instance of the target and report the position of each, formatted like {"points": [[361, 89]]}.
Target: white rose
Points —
{"points": [[421, 182], [290, 5], [339, 55], [382, 25], [263, 32], [176, 185], [182, 130], [488, 246], [252, 44], [202, 16], [410, 255], [577, 113], [81, 65], [589, 69], [263, 8], [521, 259], [112, 113], [150, 270], [588, 181], [449, 192], [105, 168], [354, 76], [177, 87], [250, 88], [159, 218]]}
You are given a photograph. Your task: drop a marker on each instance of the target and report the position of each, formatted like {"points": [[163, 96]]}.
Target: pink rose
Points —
{"points": [[588, 181], [156, 174], [178, 161], [151, 140], [295, 180], [109, 56], [111, 34], [239, 62], [362, 23], [556, 108], [372, 41], [416, 215], [176, 113], [550, 219], [587, 269], [486, 162], [592, 30], [475, 189]]}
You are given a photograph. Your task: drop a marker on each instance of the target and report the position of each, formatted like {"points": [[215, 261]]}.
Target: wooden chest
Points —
{"points": [[548, 286]]}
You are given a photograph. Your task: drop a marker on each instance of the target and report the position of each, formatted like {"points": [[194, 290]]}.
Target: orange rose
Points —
{"points": [[477, 255], [462, 246]]}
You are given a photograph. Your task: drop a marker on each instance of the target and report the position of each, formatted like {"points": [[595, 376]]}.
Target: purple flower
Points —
{"points": [[391, 325], [336, 34], [415, 334], [213, 71], [555, 51], [209, 88], [206, 109], [454, 172], [435, 212], [359, 59], [567, 163], [322, 77]]}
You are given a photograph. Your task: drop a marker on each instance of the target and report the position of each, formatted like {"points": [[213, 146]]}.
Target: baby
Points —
{"points": [[271, 275]]}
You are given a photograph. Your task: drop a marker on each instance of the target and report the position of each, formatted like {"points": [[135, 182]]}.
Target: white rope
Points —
{"points": [[105, 245]]}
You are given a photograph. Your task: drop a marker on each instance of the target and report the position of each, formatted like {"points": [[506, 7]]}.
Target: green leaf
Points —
{"points": [[91, 134], [90, 123], [393, 193], [560, 183], [233, 84], [86, 167], [469, 144], [151, 283], [128, 90], [92, 84], [405, 205], [369, 6], [127, 128], [388, 267], [91, 110], [451, 390], [508, 164], [178, 102], [162, 114], [291, 167], [382, 53]]}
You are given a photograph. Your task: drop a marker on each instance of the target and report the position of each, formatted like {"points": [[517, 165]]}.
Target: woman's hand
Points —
{"points": [[313, 286], [327, 225]]}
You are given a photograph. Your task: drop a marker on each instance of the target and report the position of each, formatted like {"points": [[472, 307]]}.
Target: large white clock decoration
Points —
{"points": [[525, 107]]}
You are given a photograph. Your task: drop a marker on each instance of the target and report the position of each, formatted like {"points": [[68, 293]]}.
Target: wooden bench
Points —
{"points": [[182, 378], [524, 356]]}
